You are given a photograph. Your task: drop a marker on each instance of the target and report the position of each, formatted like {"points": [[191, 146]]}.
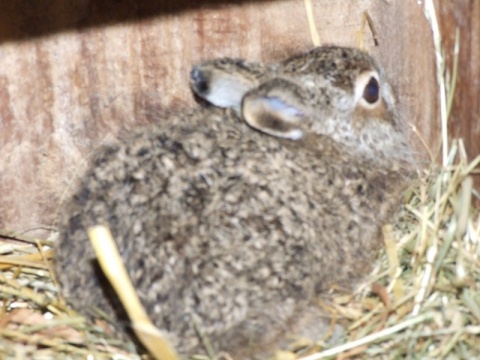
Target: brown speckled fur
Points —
{"points": [[223, 225]]}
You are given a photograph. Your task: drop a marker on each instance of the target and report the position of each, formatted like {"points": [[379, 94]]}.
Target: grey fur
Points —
{"points": [[240, 231]]}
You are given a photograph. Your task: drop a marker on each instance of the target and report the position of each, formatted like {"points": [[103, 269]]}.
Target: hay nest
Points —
{"points": [[422, 299]]}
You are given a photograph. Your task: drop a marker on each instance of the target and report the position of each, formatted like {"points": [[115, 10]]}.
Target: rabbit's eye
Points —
{"points": [[371, 93]]}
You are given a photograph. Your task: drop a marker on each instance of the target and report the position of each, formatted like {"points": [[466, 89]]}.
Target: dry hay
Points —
{"points": [[35, 322], [423, 300]]}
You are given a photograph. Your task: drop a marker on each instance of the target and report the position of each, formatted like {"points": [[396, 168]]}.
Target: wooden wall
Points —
{"points": [[464, 122], [76, 74]]}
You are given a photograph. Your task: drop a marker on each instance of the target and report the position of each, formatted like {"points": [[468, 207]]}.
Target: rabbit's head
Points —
{"points": [[333, 91]]}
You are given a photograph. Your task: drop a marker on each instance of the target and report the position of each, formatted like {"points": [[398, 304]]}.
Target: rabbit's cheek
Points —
{"points": [[362, 115]]}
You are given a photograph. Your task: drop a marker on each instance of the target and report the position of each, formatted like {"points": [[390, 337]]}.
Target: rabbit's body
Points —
{"points": [[228, 230]]}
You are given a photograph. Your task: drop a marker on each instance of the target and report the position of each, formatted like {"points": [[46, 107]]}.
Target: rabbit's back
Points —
{"points": [[224, 227]]}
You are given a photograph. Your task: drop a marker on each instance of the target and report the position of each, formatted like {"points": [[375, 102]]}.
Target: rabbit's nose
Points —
{"points": [[199, 81]]}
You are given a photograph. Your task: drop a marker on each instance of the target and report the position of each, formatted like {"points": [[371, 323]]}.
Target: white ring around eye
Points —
{"points": [[362, 81]]}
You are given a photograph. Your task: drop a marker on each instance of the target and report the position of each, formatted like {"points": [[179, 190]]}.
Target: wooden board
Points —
{"points": [[75, 74], [465, 115]]}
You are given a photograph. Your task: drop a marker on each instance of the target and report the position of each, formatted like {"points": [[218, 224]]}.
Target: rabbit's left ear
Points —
{"points": [[275, 108], [224, 82]]}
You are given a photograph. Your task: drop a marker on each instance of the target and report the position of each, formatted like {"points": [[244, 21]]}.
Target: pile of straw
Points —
{"points": [[424, 301], [35, 322]]}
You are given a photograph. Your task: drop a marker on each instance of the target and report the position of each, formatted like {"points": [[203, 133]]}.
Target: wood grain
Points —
{"points": [[464, 122], [74, 75]]}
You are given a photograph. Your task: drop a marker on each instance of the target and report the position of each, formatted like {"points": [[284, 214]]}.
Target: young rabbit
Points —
{"points": [[235, 221]]}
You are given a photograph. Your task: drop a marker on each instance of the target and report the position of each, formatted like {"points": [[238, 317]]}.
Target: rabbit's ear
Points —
{"points": [[275, 108], [224, 82]]}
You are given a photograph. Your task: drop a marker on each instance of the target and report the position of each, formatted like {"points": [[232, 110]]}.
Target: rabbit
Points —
{"points": [[236, 217]]}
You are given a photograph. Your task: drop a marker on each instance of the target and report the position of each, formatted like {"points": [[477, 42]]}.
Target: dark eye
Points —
{"points": [[371, 93]]}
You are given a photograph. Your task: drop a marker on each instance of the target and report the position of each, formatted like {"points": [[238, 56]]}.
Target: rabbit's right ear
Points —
{"points": [[275, 108], [224, 82]]}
